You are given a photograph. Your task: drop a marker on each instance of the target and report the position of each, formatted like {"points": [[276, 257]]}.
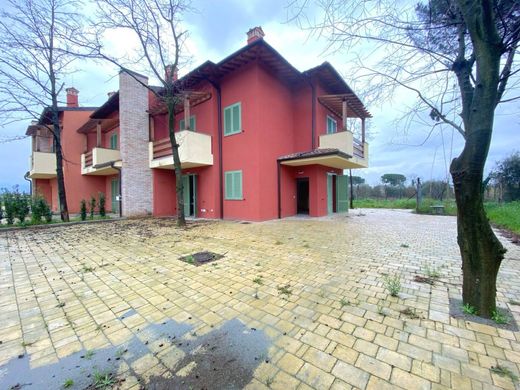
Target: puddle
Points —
{"points": [[224, 358], [81, 366]]}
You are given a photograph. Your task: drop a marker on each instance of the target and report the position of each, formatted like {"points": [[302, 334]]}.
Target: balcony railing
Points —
{"points": [[96, 161], [194, 150], [42, 165], [346, 143]]}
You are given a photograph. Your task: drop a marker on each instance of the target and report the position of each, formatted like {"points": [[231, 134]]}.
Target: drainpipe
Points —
{"points": [[313, 105], [219, 138], [26, 177], [279, 190]]}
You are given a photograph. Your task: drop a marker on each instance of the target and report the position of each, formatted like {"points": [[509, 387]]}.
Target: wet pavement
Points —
{"points": [[297, 303]]}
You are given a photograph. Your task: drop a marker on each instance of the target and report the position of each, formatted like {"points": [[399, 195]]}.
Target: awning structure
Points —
{"points": [[333, 158], [195, 98], [354, 107]]}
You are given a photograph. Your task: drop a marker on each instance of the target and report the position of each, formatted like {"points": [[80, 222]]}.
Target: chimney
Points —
{"points": [[171, 72], [72, 97], [110, 94], [255, 34]]}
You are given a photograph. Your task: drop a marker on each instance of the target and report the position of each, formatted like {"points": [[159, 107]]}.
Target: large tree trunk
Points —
{"points": [[480, 249], [62, 196], [179, 188]]}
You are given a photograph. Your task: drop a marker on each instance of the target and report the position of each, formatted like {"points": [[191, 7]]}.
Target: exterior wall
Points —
{"points": [[134, 129], [43, 188]]}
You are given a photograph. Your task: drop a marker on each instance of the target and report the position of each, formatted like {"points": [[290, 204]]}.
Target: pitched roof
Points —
{"points": [[45, 117]]}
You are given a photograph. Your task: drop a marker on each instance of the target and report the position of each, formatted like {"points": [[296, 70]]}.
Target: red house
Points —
{"points": [[258, 140]]}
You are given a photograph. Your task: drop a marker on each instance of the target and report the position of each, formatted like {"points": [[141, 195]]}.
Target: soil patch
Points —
{"points": [[457, 312]]}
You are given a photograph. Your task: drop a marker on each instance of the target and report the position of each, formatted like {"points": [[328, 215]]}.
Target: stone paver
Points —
{"points": [[311, 290]]}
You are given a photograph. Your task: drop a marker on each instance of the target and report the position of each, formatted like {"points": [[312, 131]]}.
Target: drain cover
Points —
{"points": [[201, 257]]}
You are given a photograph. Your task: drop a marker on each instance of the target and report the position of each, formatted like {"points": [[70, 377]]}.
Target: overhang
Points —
{"points": [[333, 158]]}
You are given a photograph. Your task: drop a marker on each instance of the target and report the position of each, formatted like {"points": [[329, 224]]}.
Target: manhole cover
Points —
{"points": [[201, 258]]}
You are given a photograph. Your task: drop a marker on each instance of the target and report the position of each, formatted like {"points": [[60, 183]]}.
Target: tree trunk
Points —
{"points": [[62, 196], [179, 187], [480, 249]]}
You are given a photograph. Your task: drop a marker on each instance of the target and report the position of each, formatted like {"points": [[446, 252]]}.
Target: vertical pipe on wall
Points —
{"points": [[279, 189]]}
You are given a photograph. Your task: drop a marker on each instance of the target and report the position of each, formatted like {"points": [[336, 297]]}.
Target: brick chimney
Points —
{"points": [[171, 71], [255, 34], [72, 97], [110, 94]]}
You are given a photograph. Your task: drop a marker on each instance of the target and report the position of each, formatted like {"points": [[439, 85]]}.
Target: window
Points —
{"points": [[233, 181], [233, 119], [193, 123], [113, 141], [332, 125]]}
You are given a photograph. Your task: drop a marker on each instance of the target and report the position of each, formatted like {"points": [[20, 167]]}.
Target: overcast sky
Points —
{"points": [[219, 28]]}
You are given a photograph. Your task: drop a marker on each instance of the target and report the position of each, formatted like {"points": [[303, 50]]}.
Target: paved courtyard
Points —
{"points": [[296, 303]]}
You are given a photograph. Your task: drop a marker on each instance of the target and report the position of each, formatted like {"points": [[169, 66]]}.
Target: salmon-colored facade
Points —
{"points": [[258, 140]]}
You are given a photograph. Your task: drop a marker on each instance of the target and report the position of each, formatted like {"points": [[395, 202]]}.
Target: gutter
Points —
{"points": [[219, 139], [279, 189], [26, 177], [313, 111]]}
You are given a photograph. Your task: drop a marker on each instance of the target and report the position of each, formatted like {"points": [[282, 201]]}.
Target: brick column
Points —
{"points": [[136, 183]]}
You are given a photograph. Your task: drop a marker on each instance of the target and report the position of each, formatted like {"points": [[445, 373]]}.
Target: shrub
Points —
{"points": [[83, 209], [102, 201], [392, 284], [21, 205], [9, 206], [39, 209], [92, 206], [47, 213]]}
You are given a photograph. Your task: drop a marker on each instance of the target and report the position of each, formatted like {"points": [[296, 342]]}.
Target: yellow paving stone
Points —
{"points": [[394, 359], [319, 359], [350, 374], [376, 383], [314, 377], [290, 363], [408, 381], [345, 354], [374, 366]]}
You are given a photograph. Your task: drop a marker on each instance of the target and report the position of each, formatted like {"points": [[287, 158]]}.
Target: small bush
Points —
{"points": [[92, 206], [21, 206], [468, 309], [102, 200], [393, 284], [39, 209], [83, 209]]}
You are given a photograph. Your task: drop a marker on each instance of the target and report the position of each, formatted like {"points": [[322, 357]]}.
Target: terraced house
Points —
{"points": [[258, 140]]}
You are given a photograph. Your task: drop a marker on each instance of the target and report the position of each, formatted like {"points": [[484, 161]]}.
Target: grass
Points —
{"points": [[468, 309], [499, 317], [104, 380], [284, 290], [68, 383], [89, 354], [392, 284], [506, 215], [504, 371], [344, 302], [258, 280], [385, 203], [432, 272]]}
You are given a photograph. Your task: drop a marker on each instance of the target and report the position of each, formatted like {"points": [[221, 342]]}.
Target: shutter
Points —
{"points": [[341, 194], [237, 185], [229, 184], [236, 118], [227, 121], [192, 123], [181, 124]]}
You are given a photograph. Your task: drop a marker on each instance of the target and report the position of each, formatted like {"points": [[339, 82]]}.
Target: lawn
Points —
{"points": [[505, 215]]}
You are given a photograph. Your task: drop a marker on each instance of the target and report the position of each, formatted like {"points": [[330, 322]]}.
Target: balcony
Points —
{"points": [[345, 142], [42, 165], [98, 162], [194, 151]]}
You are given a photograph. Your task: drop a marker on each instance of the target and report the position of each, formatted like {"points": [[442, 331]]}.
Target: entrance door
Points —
{"points": [[302, 195], [330, 193], [341, 193], [190, 195], [114, 190]]}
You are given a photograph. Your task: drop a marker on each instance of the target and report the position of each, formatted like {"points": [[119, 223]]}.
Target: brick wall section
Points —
{"points": [[136, 181]]}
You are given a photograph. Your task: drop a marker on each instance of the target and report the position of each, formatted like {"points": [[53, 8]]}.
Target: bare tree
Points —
{"points": [[157, 26], [35, 38], [458, 57]]}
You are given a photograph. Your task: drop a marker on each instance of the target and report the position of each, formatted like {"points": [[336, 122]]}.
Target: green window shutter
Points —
{"points": [[233, 185], [233, 119], [181, 124], [193, 123], [331, 125], [113, 141]]}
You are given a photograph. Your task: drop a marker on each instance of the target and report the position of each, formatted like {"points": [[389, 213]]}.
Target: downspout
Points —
{"points": [[279, 189], [26, 177], [219, 140], [313, 111]]}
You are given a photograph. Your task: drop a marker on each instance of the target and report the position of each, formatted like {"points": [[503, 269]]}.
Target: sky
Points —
{"points": [[219, 28]]}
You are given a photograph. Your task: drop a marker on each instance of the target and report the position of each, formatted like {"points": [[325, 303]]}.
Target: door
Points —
{"points": [[341, 193], [302, 195], [115, 193], [330, 194], [189, 183]]}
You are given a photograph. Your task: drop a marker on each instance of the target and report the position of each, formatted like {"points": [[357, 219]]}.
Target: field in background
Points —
{"points": [[505, 215]]}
